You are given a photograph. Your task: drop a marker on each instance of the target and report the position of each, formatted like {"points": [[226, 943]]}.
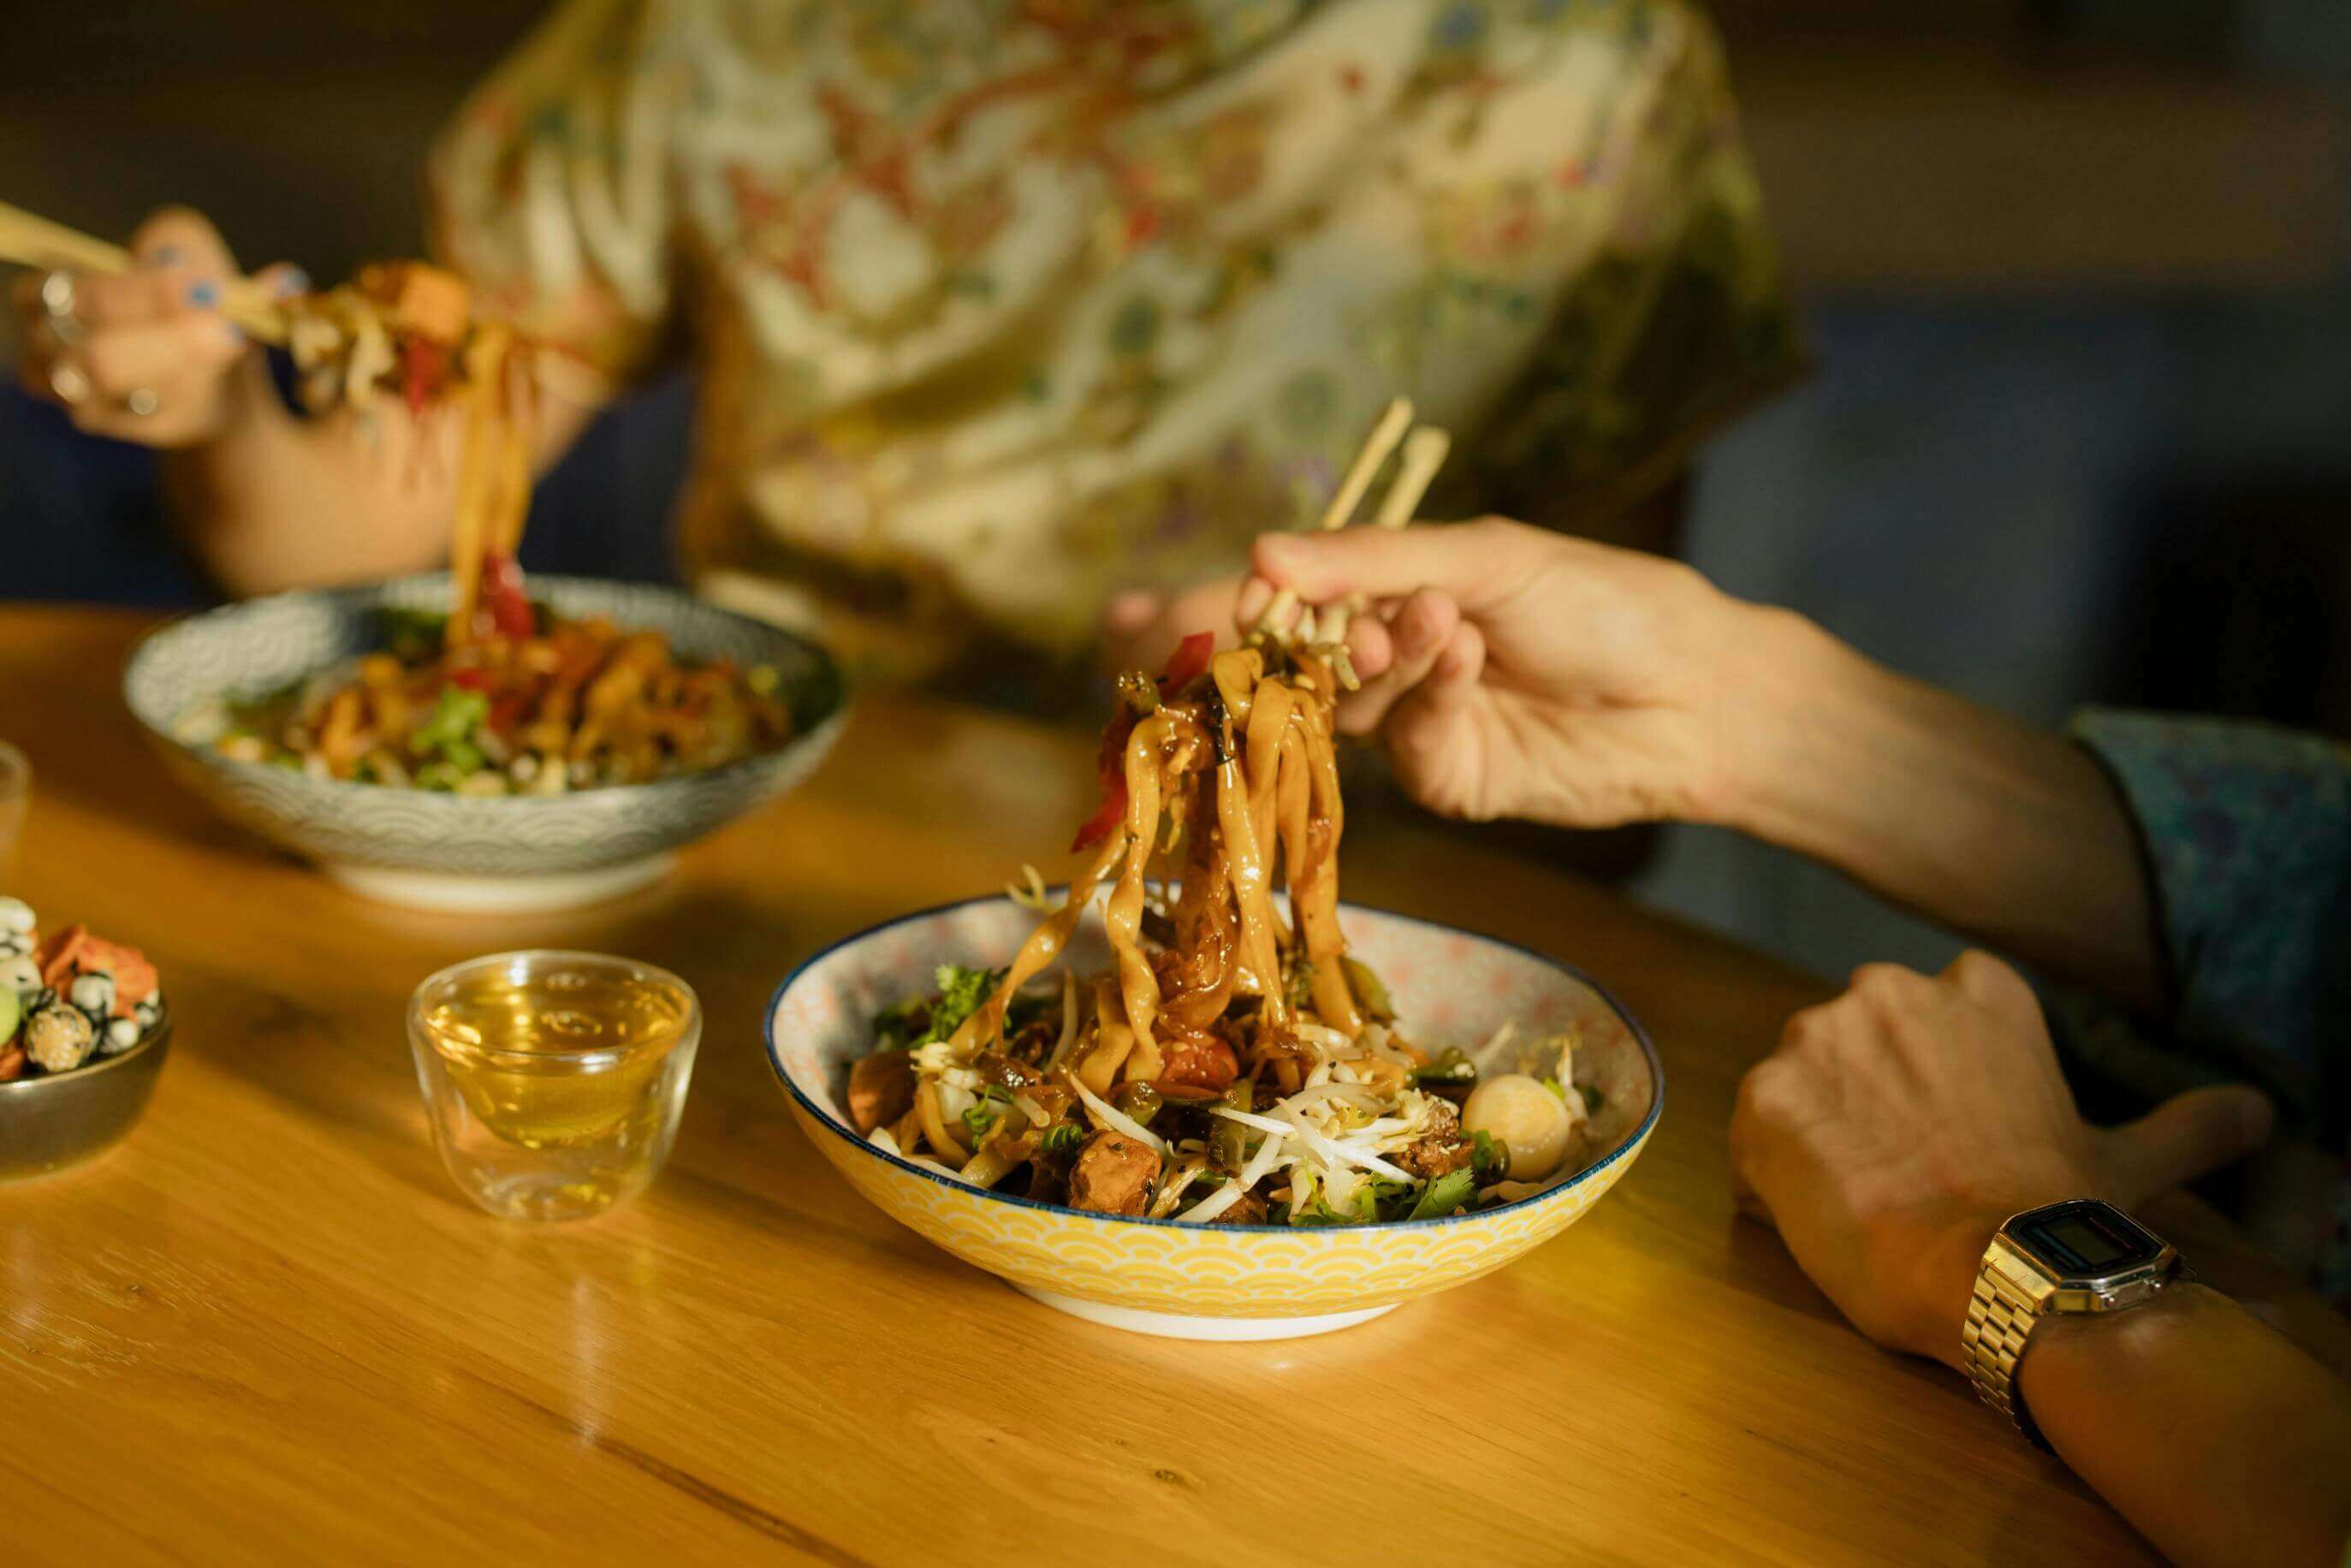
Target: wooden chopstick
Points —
{"points": [[1425, 450], [1394, 420], [30, 240]]}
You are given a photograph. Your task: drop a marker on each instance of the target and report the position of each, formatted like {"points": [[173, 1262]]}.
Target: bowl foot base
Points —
{"points": [[498, 894], [1185, 1325]]}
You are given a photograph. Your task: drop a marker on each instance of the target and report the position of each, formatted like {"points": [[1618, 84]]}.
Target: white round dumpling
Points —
{"points": [[1532, 1122]]}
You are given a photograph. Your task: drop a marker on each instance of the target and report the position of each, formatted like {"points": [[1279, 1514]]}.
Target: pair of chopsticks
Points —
{"points": [[29, 240], [1424, 449]]}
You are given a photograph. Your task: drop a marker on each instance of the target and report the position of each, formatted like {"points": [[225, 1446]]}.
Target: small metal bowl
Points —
{"points": [[62, 1119]]}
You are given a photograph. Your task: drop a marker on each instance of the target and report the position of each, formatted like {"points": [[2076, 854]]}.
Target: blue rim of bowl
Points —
{"points": [[366, 591], [825, 1119]]}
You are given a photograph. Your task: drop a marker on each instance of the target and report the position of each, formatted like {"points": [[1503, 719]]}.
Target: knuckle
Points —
{"points": [[1811, 1029], [102, 358], [1493, 533], [1767, 1094], [1677, 576], [1885, 985], [1988, 977]]}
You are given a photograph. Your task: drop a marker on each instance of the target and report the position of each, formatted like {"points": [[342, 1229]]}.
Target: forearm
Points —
{"points": [[274, 502], [2008, 833], [2210, 1433]]}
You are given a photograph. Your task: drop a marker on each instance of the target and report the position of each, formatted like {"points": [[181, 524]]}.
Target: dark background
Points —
{"points": [[2075, 274]]}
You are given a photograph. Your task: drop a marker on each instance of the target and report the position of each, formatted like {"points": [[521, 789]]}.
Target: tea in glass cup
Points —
{"points": [[554, 1080]]}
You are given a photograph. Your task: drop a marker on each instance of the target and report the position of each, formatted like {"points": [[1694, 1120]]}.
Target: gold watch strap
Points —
{"points": [[2000, 1320]]}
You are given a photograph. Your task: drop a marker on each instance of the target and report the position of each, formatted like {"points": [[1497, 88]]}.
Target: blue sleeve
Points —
{"points": [[2246, 829]]}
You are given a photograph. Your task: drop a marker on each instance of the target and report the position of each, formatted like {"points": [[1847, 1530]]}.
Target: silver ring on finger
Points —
{"points": [[140, 403], [68, 383], [58, 296]]}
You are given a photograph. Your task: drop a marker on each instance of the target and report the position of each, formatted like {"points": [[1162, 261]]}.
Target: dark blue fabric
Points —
{"points": [[81, 518]]}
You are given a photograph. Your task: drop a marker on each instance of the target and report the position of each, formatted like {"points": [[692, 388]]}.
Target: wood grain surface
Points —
{"points": [[267, 1328]]}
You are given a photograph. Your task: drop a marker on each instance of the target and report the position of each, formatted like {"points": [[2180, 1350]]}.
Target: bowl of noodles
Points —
{"points": [[1193, 1094], [560, 761]]}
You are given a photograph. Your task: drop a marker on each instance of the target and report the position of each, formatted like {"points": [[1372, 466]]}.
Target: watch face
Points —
{"points": [[2085, 1239]]}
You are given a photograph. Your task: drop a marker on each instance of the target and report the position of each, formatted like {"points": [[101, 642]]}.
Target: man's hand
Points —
{"points": [[1898, 1127], [1515, 673]]}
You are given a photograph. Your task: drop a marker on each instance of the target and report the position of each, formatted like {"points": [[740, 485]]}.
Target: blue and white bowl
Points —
{"points": [[448, 851]]}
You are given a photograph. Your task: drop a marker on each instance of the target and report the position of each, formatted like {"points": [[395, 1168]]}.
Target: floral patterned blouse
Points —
{"points": [[2247, 834], [1001, 305]]}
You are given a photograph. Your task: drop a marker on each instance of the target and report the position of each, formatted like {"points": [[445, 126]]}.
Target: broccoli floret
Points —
{"points": [[921, 1020]]}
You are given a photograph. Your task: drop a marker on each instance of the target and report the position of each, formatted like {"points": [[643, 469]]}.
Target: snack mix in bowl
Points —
{"points": [[70, 999]]}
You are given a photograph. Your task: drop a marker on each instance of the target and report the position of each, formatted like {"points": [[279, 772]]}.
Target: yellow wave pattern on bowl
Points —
{"points": [[1209, 1270]]}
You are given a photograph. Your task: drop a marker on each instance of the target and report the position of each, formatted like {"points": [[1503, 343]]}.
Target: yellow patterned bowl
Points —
{"points": [[1218, 1282]]}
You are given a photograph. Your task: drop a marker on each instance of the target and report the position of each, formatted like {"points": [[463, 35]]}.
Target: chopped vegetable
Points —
{"points": [[452, 724], [922, 1021], [1446, 1194], [981, 1116], [1140, 1100], [1489, 1158], [1190, 662], [1449, 1069], [1370, 990], [503, 597]]}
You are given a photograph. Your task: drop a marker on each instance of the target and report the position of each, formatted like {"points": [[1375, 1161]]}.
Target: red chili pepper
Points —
{"points": [[424, 369], [1111, 767], [1187, 664], [1098, 826], [503, 597], [472, 680]]}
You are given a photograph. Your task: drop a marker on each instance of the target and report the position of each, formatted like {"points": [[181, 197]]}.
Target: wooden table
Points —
{"points": [[268, 1327]]}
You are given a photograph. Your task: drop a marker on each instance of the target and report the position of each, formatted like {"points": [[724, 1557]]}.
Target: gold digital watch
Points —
{"points": [[2077, 1257]]}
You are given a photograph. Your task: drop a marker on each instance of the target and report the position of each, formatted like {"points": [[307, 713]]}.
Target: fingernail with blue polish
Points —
{"points": [[163, 255], [293, 281], [203, 294]]}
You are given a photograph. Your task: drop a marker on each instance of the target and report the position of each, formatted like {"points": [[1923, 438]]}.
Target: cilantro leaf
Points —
{"points": [[1445, 1194]]}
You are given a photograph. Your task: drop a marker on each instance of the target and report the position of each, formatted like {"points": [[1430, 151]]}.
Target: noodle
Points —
{"points": [[1214, 1013], [502, 697]]}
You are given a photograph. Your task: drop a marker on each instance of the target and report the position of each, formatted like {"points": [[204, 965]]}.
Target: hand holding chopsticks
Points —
{"points": [[29, 240], [1425, 450]]}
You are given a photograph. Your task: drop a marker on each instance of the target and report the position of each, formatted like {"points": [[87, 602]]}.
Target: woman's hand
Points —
{"points": [[1898, 1127], [1516, 673], [147, 356]]}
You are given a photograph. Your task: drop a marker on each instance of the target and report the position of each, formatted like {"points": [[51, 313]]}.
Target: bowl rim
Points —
{"points": [[28, 1087], [1622, 1150], [362, 593]]}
